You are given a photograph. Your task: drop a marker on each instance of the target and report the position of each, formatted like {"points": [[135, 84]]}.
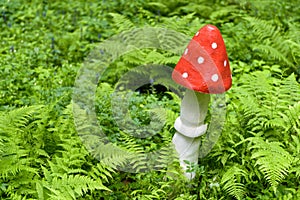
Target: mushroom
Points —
{"points": [[203, 69]]}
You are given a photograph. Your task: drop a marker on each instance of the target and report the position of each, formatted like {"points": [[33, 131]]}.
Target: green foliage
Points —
{"points": [[43, 45], [230, 182], [135, 117], [275, 44], [264, 109], [273, 161], [262, 130], [43, 160]]}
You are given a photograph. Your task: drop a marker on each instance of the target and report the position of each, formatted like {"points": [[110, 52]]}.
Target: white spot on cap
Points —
{"points": [[197, 33], [200, 60], [186, 51], [214, 45], [225, 63], [215, 77], [185, 75]]}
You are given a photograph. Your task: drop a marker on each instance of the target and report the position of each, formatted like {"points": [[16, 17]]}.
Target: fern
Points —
{"points": [[97, 145], [272, 159], [292, 120], [166, 115], [136, 115], [263, 110], [15, 156], [17, 118], [121, 22], [231, 182], [180, 24], [295, 146], [273, 43], [266, 107], [225, 11], [67, 186], [291, 117], [69, 173]]}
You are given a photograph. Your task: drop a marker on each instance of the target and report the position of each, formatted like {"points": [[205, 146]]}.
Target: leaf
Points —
{"points": [[39, 190], [272, 160], [231, 184]]}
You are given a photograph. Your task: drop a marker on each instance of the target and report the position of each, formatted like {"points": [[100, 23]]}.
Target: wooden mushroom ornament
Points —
{"points": [[203, 69]]}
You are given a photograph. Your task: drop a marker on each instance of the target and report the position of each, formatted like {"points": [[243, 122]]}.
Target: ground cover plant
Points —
{"points": [[43, 47]]}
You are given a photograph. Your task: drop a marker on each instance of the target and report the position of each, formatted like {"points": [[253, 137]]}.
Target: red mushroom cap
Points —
{"points": [[204, 65]]}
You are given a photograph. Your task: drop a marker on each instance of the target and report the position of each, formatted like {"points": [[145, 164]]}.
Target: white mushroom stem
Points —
{"points": [[189, 127]]}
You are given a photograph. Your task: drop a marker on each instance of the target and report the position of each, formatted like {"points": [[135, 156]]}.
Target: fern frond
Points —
{"points": [[122, 22], [263, 111], [294, 146], [296, 165], [66, 186], [136, 153], [101, 171], [291, 118], [110, 155], [14, 158], [17, 118], [263, 29], [12, 164], [180, 24], [224, 11], [273, 161], [273, 52], [166, 156], [165, 115], [273, 44], [288, 92], [231, 182]]}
